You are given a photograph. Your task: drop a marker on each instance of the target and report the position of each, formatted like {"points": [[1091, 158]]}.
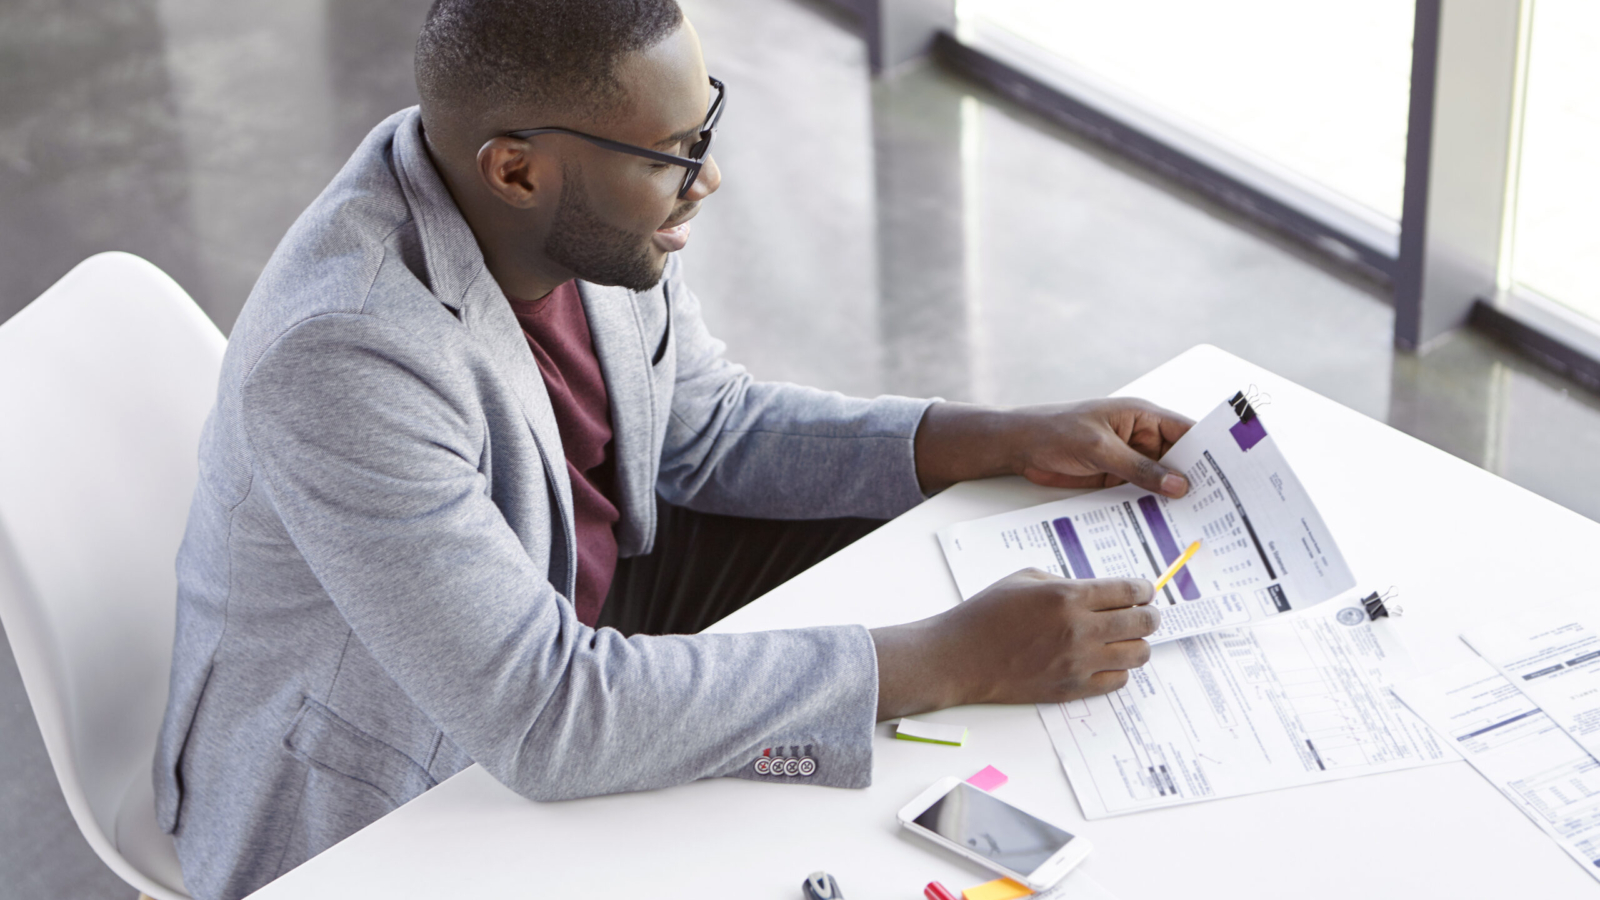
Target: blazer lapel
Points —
{"points": [[461, 281], [619, 344], [488, 315]]}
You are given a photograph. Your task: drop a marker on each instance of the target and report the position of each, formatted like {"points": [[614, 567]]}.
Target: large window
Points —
{"points": [[1314, 91], [1556, 239], [1297, 114]]}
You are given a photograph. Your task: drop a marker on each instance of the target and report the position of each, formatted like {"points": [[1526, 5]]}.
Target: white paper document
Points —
{"points": [[1264, 550], [1554, 658], [1523, 753], [1296, 701]]}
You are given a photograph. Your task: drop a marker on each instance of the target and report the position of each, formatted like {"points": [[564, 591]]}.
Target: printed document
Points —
{"points": [[1523, 753], [1301, 700], [1264, 550], [1554, 658]]}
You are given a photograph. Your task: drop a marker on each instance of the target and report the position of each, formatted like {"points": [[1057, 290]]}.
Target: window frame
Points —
{"points": [[1447, 260]]}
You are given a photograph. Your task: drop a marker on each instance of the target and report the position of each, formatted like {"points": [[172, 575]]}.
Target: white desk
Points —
{"points": [[1406, 515]]}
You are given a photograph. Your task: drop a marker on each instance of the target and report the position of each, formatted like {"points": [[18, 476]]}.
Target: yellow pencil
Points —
{"points": [[1177, 564]]}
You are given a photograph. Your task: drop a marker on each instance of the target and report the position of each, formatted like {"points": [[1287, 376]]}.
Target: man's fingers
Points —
{"points": [[1127, 654], [1115, 593], [1130, 465], [1173, 426], [1121, 655], [1130, 624], [1034, 574], [1167, 425], [1049, 478], [1108, 681]]}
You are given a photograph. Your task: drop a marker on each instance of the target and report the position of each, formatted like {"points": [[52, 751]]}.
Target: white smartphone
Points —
{"points": [[990, 831]]}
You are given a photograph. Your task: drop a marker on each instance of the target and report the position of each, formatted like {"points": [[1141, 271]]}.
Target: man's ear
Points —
{"points": [[513, 172]]}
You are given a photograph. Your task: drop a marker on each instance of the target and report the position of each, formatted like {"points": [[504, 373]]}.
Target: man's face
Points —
{"points": [[620, 215]]}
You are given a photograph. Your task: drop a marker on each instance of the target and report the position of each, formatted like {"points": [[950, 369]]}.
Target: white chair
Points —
{"points": [[105, 381]]}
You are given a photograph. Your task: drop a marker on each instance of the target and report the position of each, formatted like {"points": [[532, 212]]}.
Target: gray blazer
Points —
{"points": [[373, 585]]}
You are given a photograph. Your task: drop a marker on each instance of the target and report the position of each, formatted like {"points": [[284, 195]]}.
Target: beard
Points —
{"points": [[591, 249]]}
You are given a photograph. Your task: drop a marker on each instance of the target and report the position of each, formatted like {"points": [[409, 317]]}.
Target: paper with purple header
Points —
{"points": [[1265, 549]]}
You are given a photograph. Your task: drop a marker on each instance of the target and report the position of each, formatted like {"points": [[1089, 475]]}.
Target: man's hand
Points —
{"points": [[1097, 443], [1031, 637]]}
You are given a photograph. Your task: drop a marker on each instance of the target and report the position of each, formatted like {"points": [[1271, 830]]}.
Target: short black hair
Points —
{"points": [[558, 56]]}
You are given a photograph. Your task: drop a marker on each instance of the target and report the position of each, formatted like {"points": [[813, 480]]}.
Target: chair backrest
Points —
{"points": [[105, 382]]}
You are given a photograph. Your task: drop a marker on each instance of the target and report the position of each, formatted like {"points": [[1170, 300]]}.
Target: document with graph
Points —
{"points": [[1300, 700], [1524, 753], [1264, 548]]}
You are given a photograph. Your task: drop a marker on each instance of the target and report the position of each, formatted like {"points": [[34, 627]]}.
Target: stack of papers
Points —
{"points": [[1554, 658], [1298, 701], [1526, 715], [1237, 698]]}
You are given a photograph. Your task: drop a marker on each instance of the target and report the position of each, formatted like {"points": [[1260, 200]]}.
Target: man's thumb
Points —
{"points": [[1134, 467]]}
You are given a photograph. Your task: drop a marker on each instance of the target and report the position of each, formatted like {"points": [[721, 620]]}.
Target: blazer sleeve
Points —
{"points": [[369, 448], [738, 446]]}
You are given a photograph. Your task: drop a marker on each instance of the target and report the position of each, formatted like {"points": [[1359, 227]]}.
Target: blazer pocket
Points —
{"points": [[319, 737]]}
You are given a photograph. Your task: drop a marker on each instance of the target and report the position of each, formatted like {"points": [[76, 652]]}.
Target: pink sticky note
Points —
{"points": [[988, 779]]}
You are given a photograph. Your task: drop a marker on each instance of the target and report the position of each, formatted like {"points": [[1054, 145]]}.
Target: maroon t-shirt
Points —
{"points": [[558, 334]]}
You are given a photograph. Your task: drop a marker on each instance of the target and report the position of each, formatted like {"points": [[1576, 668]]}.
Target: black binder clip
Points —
{"points": [[1379, 607], [1241, 407], [1246, 402], [1258, 398]]}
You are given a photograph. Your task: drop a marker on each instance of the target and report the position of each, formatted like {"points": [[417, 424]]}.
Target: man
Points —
{"points": [[470, 380]]}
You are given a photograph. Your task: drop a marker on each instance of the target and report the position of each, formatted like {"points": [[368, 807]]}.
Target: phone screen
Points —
{"points": [[994, 829]]}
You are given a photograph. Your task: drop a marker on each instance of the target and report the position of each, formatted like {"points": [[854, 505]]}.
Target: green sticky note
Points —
{"points": [[931, 732]]}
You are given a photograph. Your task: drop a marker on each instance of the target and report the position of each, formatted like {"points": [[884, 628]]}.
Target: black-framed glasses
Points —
{"points": [[692, 163]]}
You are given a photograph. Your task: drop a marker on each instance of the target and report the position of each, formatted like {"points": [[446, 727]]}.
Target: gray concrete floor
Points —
{"points": [[911, 235]]}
